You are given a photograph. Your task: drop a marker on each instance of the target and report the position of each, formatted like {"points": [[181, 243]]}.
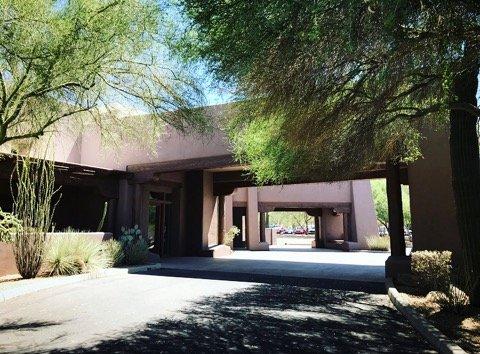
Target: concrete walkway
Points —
{"points": [[303, 262], [150, 313]]}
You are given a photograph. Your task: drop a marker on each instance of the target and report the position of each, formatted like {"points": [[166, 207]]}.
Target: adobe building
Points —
{"points": [[188, 193]]}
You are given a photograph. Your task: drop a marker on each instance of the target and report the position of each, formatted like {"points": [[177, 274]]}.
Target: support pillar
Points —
{"points": [[346, 227], [262, 227], [221, 218], [323, 230], [317, 231], [398, 262]]}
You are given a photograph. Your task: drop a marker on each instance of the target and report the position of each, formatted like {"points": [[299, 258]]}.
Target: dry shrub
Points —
{"points": [[230, 235], [378, 243], [432, 270]]}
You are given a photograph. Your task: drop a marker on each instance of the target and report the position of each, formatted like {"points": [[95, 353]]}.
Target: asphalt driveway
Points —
{"points": [[158, 313]]}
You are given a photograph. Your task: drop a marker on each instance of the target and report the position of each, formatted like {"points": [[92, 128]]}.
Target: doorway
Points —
{"points": [[239, 215], [160, 223]]}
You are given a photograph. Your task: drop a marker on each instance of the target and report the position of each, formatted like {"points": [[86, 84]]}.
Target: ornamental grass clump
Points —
{"points": [[114, 250], [75, 254], [378, 243]]}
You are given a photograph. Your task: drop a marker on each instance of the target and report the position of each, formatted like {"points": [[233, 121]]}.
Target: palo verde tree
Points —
{"points": [[64, 58], [333, 86]]}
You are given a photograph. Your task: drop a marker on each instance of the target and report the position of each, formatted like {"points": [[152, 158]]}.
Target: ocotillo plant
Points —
{"points": [[33, 206]]}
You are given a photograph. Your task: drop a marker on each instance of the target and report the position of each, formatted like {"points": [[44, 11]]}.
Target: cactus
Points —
{"points": [[131, 235]]}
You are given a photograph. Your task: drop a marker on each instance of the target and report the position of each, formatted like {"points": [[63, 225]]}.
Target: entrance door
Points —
{"points": [[239, 214], [160, 223]]}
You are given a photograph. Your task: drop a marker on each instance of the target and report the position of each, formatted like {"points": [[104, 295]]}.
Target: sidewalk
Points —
{"points": [[292, 262], [14, 286]]}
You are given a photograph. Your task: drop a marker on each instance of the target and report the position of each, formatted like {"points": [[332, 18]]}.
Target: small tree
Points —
{"points": [[33, 206], [61, 59]]}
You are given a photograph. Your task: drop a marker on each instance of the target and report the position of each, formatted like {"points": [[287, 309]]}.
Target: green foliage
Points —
{"points": [[136, 252], [75, 254], [9, 226], [130, 235], [230, 235], [34, 206], [332, 87], [135, 248], [290, 218], [63, 59], [114, 250], [378, 243], [379, 193], [432, 270]]}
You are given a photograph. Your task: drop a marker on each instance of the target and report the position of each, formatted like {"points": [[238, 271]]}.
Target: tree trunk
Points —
{"points": [[464, 154]]}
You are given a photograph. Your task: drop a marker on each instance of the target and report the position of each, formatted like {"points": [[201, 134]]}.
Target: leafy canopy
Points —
{"points": [[60, 58], [334, 86]]}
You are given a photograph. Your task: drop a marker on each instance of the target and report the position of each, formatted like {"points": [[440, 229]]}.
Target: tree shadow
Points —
{"points": [[19, 325], [272, 318]]}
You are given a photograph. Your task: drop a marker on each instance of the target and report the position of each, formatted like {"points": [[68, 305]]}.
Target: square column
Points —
{"points": [[398, 262], [253, 227]]}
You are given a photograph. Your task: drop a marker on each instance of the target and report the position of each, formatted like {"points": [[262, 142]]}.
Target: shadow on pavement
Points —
{"points": [[272, 318], [352, 285]]}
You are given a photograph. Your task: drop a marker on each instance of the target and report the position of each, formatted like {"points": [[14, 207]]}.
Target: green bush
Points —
{"points": [[114, 250], [74, 254], [135, 249], [136, 252], [9, 226], [230, 235], [432, 270], [378, 243]]}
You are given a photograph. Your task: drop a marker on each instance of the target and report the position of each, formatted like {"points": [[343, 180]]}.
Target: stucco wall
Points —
{"points": [[338, 192], [364, 219], [210, 212], [334, 225], [432, 205]]}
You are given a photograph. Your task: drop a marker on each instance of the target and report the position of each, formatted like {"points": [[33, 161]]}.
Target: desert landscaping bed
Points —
{"points": [[463, 327]]}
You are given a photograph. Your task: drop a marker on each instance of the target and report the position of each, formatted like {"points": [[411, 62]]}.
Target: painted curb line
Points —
{"points": [[432, 335], [47, 283]]}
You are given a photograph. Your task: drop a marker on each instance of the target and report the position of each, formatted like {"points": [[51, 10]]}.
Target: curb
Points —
{"points": [[432, 335], [48, 283]]}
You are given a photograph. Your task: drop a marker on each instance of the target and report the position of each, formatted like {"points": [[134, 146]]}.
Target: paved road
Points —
{"points": [[157, 313]]}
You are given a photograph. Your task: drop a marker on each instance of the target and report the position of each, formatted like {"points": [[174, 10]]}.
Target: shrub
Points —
{"points": [[378, 243], [75, 254], [9, 226], [230, 235], [453, 299], [114, 251], [136, 252], [135, 248], [432, 270], [34, 206]]}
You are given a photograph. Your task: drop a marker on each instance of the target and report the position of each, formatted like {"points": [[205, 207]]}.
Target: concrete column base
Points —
{"points": [[261, 246], [396, 265], [217, 251]]}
